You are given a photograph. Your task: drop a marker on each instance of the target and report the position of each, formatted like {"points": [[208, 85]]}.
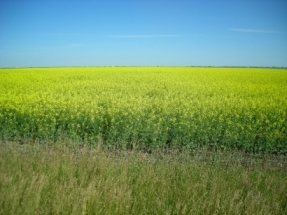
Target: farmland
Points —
{"points": [[144, 107], [139, 140]]}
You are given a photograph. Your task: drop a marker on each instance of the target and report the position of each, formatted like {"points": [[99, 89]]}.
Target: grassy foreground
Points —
{"points": [[63, 178]]}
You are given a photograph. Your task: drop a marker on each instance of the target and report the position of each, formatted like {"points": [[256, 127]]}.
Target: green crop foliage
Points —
{"points": [[221, 108]]}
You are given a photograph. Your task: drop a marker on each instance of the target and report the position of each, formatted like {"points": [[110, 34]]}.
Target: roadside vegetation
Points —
{"points": [[63, 178]]}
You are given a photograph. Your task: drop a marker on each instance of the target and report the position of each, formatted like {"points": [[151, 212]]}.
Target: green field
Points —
{"points": [[203, 140], [144, 107]]}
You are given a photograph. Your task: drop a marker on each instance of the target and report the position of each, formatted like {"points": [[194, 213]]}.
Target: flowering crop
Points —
{"points": [[226, 108]]}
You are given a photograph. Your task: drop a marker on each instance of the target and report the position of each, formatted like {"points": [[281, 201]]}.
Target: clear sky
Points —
{"points": [[51, 33]]}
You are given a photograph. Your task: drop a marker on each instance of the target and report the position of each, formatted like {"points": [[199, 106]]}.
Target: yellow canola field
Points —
{"points": [[150, 107]]}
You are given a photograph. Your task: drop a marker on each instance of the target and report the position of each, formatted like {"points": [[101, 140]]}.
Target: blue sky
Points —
{"points": [[39, 33]]}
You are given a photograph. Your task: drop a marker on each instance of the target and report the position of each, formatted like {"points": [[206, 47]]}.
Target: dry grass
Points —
{"points": [[68, 179]]}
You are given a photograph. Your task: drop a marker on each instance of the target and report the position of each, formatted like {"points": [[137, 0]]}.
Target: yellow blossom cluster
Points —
{"points": [[226, 108]]}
